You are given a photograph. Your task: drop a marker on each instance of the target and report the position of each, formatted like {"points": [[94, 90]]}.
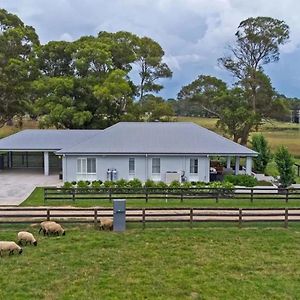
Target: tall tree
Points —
{"points": [[17, 68]]}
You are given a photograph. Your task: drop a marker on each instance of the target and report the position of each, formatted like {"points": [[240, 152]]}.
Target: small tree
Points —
{"points": [[285, 162], [260, 145]]}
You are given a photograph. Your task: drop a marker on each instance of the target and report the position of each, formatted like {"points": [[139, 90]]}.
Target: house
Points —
{"points": [[159, 151]]}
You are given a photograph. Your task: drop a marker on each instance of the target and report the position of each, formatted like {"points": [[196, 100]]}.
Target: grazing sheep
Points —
{"points": [[44, 224], [54, 228], [106, 224], [27, 237], [10, 247]]}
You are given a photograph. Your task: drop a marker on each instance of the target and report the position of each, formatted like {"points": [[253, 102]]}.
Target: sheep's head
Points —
{"points": [[20, 251], [35, 243], [64, 233]]}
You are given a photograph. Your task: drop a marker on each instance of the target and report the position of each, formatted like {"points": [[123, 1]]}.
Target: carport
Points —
{"points": [[46, 162]]}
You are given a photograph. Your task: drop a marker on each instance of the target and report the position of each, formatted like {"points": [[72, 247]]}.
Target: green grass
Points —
{"points": [[36, 199], [161, 263]]}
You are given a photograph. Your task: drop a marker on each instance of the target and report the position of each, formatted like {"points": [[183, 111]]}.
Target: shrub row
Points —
{"points": [[136, 183]]}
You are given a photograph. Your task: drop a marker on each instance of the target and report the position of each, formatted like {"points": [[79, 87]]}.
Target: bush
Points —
{"points": [[109, 184], [134, 183], [161, 185], [221, 185], [260, 145], [201, 184], [285, 165], [243, 180], [149, 184], [121, 183], [175, 184], [186, 185], [82, 184], [96, 184], [67, 185], [87, 182], [74, 182]]}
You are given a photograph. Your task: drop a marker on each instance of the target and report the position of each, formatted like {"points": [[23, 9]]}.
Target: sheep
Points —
{"points": [[44, 224], [27, 237], [54, 228], [10, 247], [106, 224]]}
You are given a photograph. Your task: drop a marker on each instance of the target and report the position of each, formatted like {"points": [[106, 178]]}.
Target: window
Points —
{"points": [[86, 166], [194, 165], [131, 165], [156, 165]]}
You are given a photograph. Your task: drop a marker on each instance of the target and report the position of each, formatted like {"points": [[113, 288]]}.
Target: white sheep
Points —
{"points": [[106, 224], [27, 237], [7, 246], [54, 228], [44, 224]]}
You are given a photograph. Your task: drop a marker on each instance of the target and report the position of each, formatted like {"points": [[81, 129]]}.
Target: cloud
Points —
{"points": [[193, 33]]}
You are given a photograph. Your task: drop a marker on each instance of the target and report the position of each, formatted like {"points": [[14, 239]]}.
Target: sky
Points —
{"points": [[193, 33]]}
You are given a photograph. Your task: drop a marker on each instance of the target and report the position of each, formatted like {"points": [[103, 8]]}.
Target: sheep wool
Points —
{"points": [[106, 224], [11, 247], [44, 225], [27, 238], [54, 229]]}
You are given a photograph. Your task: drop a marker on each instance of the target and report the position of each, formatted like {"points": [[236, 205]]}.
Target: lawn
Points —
{"points": [[36, 199], [157, 263]]}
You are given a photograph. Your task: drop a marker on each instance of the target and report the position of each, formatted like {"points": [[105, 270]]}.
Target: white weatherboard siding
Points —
{"points": [[143, 167]]}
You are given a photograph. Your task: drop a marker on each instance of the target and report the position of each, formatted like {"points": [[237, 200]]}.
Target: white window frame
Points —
{"points": [[194, 165], [159, 166], [84, 166], [131, 172]]}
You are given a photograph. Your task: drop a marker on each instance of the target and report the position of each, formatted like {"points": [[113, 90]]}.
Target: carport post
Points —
{"points": [[228, 162], [10, 160], [46, 163], [248, 165]]}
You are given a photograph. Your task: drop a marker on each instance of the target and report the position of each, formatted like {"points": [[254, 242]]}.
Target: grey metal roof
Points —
{"points": [[157, 138], [35, 139]]}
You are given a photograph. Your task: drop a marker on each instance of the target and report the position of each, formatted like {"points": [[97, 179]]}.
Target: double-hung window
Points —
{"points": [[86, 165], [131, 166], [194, 165], [155, 165]]}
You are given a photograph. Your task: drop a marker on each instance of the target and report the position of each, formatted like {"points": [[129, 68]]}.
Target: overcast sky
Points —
{"points": [[193, 33]]}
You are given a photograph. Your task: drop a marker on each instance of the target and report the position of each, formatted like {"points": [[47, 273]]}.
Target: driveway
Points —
{"points": [[17, 185]]}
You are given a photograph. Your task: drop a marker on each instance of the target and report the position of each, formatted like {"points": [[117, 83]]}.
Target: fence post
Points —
{"points": [[287, 196], [217, 195], [73, 194], [251, 199], [191, 217], [181, 195], [146, 193], [95, 217], [240, 217], [45, 194], [48, 214], [144, 218], [286, 218]]}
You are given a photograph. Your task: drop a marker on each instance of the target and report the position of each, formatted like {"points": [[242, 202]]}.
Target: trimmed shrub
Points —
{"points": [[134, 183], [161, 185], [201, 184], [108, 184], [242, 180], [74, 182], [87, 182], [82, 184], [96, 184], [67, 185], [186, 185], [121, 183], [221, 185], [149, 184], [175, 184]]}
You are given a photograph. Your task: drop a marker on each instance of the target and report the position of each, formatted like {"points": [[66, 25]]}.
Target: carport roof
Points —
{"points": [[45, 139]]}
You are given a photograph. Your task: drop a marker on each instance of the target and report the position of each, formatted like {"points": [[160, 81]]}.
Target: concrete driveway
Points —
{"points": [[17, 185]]}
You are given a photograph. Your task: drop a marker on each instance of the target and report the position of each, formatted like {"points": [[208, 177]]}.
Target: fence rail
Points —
{"points": [[150, 215], [148, 194]]}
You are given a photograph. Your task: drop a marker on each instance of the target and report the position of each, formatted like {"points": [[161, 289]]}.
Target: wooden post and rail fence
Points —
{"points": [[144, 216]]}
